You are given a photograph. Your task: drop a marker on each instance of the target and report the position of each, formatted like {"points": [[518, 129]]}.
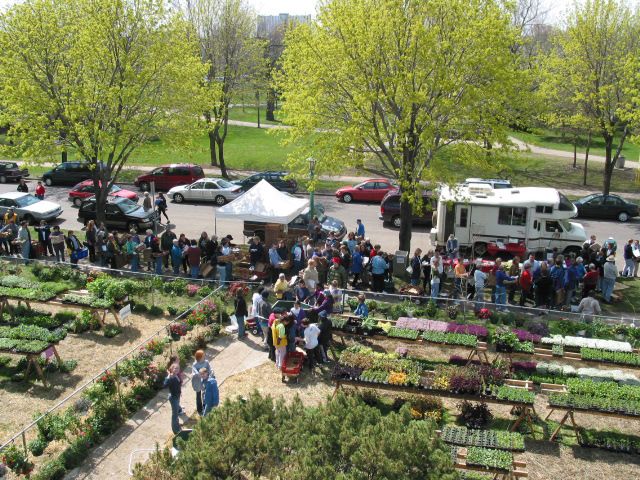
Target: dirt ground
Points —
{"points": [[93, 352]]}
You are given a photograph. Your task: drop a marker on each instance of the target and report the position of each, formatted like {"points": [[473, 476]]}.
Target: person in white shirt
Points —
{"points": [[311, 334], [589, 305], [480, 279], [255, 299]]}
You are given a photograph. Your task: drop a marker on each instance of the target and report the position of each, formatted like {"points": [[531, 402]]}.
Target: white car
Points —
{"points": [[215, 190], [29, 207]]}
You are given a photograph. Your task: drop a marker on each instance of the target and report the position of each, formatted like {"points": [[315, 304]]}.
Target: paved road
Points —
{"points": [[192, 219]]}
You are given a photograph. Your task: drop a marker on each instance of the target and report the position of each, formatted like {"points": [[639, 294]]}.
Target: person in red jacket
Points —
{"points": [[590, 280], [40, 191], [526, 284]]}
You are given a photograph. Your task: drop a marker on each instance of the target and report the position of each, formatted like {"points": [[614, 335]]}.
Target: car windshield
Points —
{"points": [[27, 200], [225, 184], [10, 165], [566, 225], [115, 188], [127, 206]]}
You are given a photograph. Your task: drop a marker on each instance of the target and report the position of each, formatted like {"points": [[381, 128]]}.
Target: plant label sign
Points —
{"points": [[125, 312]]}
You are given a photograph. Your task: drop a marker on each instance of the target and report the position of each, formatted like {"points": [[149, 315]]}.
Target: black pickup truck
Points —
{"points": [[299, 226], [11, 172]]}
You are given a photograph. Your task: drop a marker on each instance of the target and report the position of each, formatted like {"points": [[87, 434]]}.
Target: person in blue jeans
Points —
{"points": [[241, 311], [176, 256], [175, 389], [501, 289], [210, 392]]}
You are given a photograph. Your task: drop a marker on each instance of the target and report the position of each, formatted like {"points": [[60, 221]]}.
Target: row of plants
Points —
{"points": [[23, 346], [33, 332], [398, 332], [561, 373], [607, 356], [461, 339], [87, 300], [489, 458], [425, 325], [40, 295], [17, 281], [613, 441], [22, 315], [606, 397], [583, 342], [499, 439]]}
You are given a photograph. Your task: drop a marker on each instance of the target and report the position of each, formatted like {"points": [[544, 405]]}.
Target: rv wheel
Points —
{"points": [[480, 248]]}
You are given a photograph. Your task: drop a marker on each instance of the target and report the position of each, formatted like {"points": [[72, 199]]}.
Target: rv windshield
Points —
{"points": [[566, 225]]}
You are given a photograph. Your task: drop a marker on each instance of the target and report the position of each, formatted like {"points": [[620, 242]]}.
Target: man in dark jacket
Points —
{"points": [[166, 243], [44, 237], [325, 335], [256, 251]]}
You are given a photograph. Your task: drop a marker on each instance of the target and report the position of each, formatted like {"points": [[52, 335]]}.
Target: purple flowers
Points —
{"points": [[527, 367], [525, 336], [421, 324], [469, 329]]}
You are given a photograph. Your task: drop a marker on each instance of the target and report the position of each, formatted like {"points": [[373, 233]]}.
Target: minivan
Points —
{"points": [[390, 209], [68, 173], [169, 176]]}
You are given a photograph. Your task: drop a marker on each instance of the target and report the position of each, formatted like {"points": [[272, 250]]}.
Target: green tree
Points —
{"points": [[396, 82], [344, 438], [225, 30], [98, 77], [596, 60]]}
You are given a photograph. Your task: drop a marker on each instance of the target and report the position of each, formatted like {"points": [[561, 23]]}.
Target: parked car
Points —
{"points": [[120, 213], [494, 183], [277, 179], [215, 190], [29, 207], [11, 172], [372, 190], [299, 226], [390, 209], [597, 205], [169, 176], [86, 189], [68, 173]]}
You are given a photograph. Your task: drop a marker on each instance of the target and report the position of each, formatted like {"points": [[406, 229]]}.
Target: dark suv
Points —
{"points": [[120, 214], [390, 209], [68, 173], [11, 172], [277, 179]]}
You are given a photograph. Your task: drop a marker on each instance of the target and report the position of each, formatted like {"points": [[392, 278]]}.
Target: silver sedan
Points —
{"points": [[215, 190]]}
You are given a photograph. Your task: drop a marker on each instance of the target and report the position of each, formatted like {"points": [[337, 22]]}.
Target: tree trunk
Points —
{"points": [[101, 184], [608, 164], [258, 105], [212, 148], [586, 159], [575, 152], [404, 235], [223, 167], [271, 105]]}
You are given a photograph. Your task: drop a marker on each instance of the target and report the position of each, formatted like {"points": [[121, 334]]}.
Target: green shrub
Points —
{"points": [[140, 308], [171, 310], [65, 316], [431, 309], [52, 470], [37, 446], [111, 331], [156, 311]]}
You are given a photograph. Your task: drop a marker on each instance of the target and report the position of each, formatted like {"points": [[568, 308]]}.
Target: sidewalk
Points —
{"points": [[152, 424]]}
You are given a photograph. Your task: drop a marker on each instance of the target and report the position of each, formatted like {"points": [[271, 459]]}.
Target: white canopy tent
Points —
{"points": [[264, 203]]}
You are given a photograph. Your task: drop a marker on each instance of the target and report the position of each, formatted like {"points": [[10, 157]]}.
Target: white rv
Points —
{"points": [[478, 215]]}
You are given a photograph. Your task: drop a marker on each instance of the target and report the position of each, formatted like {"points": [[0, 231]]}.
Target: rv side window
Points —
{"points": [[464, 213], [516, 216], [544, 209]]}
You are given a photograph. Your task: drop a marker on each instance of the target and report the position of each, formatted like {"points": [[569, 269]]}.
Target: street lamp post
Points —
{"points": [[312, 167]]}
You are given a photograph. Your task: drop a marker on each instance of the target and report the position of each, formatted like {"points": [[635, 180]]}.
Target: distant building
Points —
{"points": [[269, 24]]}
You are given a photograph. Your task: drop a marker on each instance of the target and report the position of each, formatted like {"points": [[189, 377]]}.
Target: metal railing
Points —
{"points": [[470, 306], [22, 433]]}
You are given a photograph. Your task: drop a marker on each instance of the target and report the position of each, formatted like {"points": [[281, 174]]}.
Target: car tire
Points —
{"points": [[3, 179], [48, 182], [77, 202], [347, 198], [133, 226], [396, 221], [144, 186], [29, 219], [178, 198], [220, 200], [623, 217]]}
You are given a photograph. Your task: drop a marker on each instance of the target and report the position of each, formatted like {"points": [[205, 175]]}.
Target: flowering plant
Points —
{"points": [[108, 381], [204, 314], [525, 336], [237, 286], [452, 311], [484, 314], [192, 290], [155, 346], [178, 329]]}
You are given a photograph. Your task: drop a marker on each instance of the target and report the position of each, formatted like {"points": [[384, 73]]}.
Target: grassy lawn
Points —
{"points": [[250, 114], [553, 139]]}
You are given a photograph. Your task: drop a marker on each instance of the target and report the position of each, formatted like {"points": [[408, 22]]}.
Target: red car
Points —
{"points": [[85, 189], [372, 190]]}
